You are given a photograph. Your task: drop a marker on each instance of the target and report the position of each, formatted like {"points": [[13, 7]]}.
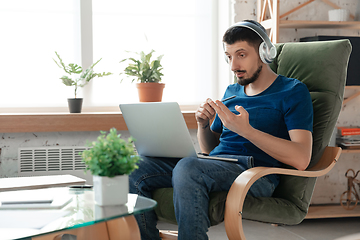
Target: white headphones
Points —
{"points": [[267, 50]]}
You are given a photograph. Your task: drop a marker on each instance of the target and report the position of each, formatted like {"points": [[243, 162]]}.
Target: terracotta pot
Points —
{"points": [[150, 91]]}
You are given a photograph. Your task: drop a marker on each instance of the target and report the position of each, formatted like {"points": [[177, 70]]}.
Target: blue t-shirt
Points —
{"points": [[283, 106]]}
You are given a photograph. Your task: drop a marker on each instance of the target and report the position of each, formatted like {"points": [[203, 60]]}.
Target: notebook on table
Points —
{"points": [[160, 130]]}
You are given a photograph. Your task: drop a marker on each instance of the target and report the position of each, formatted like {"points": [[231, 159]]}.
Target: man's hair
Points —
{"points": [[240, 33]]}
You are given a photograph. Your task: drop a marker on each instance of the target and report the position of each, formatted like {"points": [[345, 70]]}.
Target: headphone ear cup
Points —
{"points": [[272, 53], [267, 55], [263, 52]]}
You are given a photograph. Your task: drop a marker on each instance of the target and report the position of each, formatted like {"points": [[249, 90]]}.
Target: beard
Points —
{"points": [[246, 81]]}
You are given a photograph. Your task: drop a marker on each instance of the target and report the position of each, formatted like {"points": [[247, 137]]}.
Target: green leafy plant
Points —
{"points": [[81, 78], [143, 69], [110, 155]]}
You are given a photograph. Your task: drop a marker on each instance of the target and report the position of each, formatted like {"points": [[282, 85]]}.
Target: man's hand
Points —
{"points": [[296, 152], [236, 123], [208, 139], [204, 113]]}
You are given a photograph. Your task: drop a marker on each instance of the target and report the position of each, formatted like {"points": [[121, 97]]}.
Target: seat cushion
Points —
{"points": [[282, 208], [165, 207], [288, 205]]}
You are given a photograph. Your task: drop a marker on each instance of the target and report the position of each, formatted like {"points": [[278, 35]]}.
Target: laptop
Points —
{"points": [[160, 130]]}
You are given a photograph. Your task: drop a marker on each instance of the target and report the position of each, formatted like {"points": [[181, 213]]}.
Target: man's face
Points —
{"points": [[244, 62]]}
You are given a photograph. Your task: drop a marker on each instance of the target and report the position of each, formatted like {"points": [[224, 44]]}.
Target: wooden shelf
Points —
{"points": [[276, 20], [69, 122], [318, 24], [331, 211]]}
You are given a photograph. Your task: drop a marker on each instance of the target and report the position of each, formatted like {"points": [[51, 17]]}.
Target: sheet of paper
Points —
{"points": [[30, 219], [10, 233], [36, 182], [48, 198]]}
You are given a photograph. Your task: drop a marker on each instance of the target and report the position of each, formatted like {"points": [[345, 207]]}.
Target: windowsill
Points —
{"points": [[60, 120]]}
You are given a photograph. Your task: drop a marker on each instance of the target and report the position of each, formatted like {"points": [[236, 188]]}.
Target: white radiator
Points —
{"points": [[39, 161]]}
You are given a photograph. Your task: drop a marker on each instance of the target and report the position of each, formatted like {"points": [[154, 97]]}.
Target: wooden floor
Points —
{"points": [[331, 211], [309, 229]]}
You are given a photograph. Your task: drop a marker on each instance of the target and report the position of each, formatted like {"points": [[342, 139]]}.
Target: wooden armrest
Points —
{"points": [[238, 191]]}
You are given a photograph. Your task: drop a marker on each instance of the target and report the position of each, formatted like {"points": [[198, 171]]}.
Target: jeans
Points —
{"points": [[192, 180]]}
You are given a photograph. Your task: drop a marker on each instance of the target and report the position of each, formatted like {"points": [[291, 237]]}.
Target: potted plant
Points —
{"points": [[110, 160], [80, 79], [148, 73]]}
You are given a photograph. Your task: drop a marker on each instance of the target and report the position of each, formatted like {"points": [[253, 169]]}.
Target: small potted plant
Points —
{"points": [[80, 79], [110, 160], [148, 74]]}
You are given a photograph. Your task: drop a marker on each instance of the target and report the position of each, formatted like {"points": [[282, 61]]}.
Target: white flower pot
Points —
{"points": [[111, 191]]}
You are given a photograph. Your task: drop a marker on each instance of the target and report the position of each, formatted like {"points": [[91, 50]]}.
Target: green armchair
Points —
{"points": [[322, 66]]}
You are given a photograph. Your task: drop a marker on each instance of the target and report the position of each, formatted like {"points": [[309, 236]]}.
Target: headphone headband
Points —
{"points": [[267, 50]]}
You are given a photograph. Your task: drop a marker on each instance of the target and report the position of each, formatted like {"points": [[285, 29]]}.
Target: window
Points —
{"points": [[184, 31], [181, 30], [31, 32]]}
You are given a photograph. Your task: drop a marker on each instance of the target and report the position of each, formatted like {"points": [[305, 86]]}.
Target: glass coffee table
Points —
{"points": [[72, 212]]}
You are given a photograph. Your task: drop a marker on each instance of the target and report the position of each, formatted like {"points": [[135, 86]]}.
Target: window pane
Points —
{"points": [[31, 32], [181, 30]]}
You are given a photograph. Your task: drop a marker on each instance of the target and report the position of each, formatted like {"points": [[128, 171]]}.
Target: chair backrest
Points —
{"points": [[322, 66]]}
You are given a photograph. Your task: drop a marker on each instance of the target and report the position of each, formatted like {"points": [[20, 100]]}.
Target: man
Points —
{"points": [[268, 123]]}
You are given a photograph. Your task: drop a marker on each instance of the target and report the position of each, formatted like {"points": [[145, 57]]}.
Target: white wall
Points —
{"points": [[10, 142]]}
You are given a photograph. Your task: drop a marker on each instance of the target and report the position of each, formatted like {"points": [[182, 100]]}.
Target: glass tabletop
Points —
{"points": [[30, 213]]}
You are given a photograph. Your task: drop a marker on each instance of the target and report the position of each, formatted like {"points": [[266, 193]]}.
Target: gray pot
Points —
{"points": [[75, 105]]}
